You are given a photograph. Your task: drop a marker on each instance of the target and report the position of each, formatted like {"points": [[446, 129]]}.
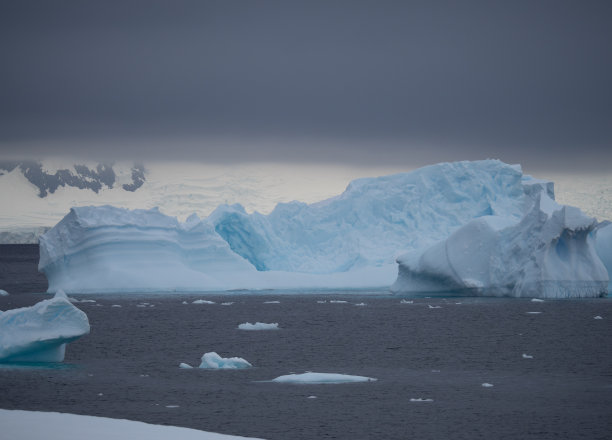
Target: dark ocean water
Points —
{"points": [[128, 366]]}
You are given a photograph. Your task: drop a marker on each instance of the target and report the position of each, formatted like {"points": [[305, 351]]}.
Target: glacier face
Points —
{"points": [[549, 252], [40, 333], [453, 225]]}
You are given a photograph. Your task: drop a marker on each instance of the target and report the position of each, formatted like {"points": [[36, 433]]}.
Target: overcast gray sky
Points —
{"points": [[356, 82]]}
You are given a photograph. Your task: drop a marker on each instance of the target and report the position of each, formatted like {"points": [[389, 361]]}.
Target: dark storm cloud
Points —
{"points": [[379, 81]]}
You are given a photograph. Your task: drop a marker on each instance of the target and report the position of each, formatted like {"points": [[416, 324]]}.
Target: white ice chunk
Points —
{"points": [[361, 304], [258, 326], [537, 300], [487, 385], [271, 302], [527, 356], [337, 301], [28, 425], [598, 317], [213, 361], [3, 292], [184, 365], [202, 301], [40, 333], [405, 301], [419, 399], [322, 378]]}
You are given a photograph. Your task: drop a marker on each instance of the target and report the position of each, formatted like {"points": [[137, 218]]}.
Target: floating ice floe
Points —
{"points": [[405, 301], [271, 302], [3, 292], [258, 326], [322, 378], [40, 333], [527, 356], [202, 301], [361, 304], [338, 301], [597, 317], [421, 400], [487, 385], [184, 365], [212, 360], [227, 303], [533, 313], [116, 305], [434, 307], [25, 425], [537, 300]]}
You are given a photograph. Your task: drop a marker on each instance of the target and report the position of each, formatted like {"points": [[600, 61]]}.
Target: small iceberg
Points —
{"points": [[258, 326], [527, 356], [184, 365], [3, 292], [337, 301], [537, 300], [360, 304], [213, 361], [202, 301], [271, 302], [322, 378], [434, 307], [40, 333], [487, 385], [597, 317], [405, 301]]}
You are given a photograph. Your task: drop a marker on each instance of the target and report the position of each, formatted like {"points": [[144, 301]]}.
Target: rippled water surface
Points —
{"points": [[430, 357]]}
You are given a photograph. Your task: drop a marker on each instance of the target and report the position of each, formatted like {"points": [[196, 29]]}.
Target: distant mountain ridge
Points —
{"points": [[81, 176]]}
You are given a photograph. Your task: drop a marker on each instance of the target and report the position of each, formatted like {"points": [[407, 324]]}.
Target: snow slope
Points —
{"points": [[40, 333], [28, 425]]}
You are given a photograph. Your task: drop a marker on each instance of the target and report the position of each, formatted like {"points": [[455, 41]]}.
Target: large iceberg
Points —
{"points": [[348, 241], [549, 252], [40, 333]]}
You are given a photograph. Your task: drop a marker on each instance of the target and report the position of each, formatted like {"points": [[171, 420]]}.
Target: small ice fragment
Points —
{"points": [[3, 292], [435, 371], [271, 302], [434, 307], [184, 365], [144, 375], [337, 301], [457, 303], [537, 300], [322, 378], [487, 385], [533, 313], [405, 301], [258, 326], [213, 361], [184, 302], [172, 406], [598, 317], [312, 397], [202, 301], [321, 302], [360, 304], [115, 305], [227, 304], [421, 400], [527, 356], [100, 394]]}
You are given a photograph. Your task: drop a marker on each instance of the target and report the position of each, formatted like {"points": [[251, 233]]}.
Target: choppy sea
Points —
{"points": [[431, 357]]}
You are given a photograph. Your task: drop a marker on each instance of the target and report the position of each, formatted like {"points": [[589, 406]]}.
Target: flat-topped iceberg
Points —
{"points": [[258, 326], [481, 227], [40, 333]]}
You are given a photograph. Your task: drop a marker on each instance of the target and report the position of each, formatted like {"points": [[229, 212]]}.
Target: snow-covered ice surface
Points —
{"points": [[322, 378], [213, 361], [29, 425], [481, 226], [258, 326], [40, 333]]}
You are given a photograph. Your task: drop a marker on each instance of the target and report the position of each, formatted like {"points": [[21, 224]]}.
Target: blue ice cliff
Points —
{"points": [[40, 333], [479, 227]]}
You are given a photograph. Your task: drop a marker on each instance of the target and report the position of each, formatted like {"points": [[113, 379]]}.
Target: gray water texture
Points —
{"points": [[128, 366]]}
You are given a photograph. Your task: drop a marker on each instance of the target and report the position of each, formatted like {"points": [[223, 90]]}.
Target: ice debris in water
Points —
{"points": [[258, 326], [338, 301], [421, 400], [434, 307], [360, 304], [271, 302], [40, 333], [116, 305], [3, 292], [213, 361], [227, 303], [405, 301], [487, 385], [597, 317], [321, 378], [202, 301], [527, 356], [533, 313], [537, 300], [184, 365]]}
